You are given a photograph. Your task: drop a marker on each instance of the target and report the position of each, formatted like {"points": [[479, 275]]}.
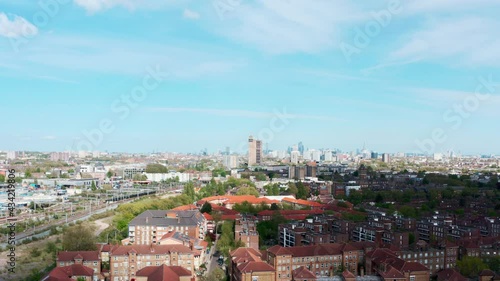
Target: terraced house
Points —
{"points": [[324, 260], [126, 261], [149, 227]]}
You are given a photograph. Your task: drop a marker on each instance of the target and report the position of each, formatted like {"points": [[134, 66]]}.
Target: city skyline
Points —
{"points": [[207, 75]]}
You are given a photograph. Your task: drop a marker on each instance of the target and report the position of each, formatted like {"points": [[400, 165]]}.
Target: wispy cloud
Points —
{"points": [[56, 53], [467, 41], [93, 6], [336, 76], [17, 27], [284, 26], [48, 137], [239, 113], [445, 6], [380, 66], [189, 14]]}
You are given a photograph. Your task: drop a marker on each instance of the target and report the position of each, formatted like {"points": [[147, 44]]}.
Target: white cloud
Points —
{"points": [[426, 6], [468, 41], [93, 6], [288, 26], [98, 5], [188, 14], [49, 137], [17, 27]]}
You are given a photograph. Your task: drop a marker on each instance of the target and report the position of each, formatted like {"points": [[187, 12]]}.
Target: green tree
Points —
{"points": [[93, 186], [261, 177], [471, 266], [216, 275], [2, 178], [207, 208], [110, 174], [156, 169], [140, 177], [302, 191], [248, 190], [292, 189], [189, 191], [80, 237]]}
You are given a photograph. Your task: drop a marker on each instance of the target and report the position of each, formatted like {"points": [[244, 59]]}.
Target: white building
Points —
{"points": [[328, 156], [316, 155], [231, 161], [294, 157]]}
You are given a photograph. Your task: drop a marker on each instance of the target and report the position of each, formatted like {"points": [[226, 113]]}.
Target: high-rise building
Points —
{"points": [[386, 158], [254, 151], [231, 161], [294, 157], [301, 148]]}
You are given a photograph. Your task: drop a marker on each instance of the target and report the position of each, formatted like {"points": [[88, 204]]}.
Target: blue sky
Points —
{"points": [[413, 76]]}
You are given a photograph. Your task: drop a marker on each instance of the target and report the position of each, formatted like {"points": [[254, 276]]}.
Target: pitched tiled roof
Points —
{"points": [[245, 254], [303, 202], [279, 251], [150, 250], [487, 273], [303, 273], [450, 275], [236, 199], [392, 274], [164, 273], [255, 267], [84, 255], [65, 273], [347, 274], [186, 208]]}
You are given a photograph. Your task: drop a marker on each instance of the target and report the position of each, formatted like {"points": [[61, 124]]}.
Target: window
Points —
{"points": [[412, 278]]}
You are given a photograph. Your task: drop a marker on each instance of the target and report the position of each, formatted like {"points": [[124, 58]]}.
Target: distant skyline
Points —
{"points": [[333, 74]]}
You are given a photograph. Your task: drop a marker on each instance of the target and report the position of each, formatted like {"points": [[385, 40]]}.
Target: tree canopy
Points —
{"points": [[80, 237], [156, 169]]}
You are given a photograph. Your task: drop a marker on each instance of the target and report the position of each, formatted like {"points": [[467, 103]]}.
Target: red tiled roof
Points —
{"points": [[291, 212], [279, 251], [186, 208], [303, 273], [164, 273], [65, 273], [237, 199], [487, 273], [347, 274], [392, 274], [451, 275], [255, 267], [150, 250], [303, 202], [84, 255], [244, 255]]}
